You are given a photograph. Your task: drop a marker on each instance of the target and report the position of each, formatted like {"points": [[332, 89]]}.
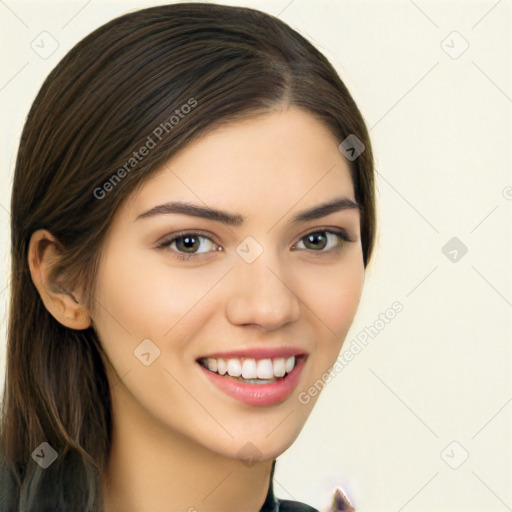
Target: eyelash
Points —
{"points": [[166, 242]]}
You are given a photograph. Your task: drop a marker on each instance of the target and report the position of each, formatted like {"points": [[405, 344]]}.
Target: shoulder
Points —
{"points": [[8, 487]]}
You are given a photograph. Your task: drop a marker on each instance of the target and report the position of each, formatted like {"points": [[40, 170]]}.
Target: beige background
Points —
{"points": [[434, 384]]}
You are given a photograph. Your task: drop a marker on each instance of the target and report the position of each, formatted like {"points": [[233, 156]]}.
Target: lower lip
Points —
{"points": [[258, 394]]}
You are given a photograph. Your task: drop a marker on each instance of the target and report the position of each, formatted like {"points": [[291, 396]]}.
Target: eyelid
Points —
{"points": [[329, 229], [167, 240]]}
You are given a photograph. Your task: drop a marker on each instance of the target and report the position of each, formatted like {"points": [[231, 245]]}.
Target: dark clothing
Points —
{"points": [[273, 504]]}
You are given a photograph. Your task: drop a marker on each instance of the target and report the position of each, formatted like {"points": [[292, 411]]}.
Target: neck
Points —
{"points": [[152, 467]]}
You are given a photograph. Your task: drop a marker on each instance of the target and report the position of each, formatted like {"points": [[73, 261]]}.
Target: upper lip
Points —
{"points": [[258, 353]]}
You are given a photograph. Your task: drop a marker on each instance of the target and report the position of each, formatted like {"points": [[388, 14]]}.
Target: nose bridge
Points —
{"points": [[260, 293]]}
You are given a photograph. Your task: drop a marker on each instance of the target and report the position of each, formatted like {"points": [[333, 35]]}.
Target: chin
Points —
{"points": [[266, 442]]}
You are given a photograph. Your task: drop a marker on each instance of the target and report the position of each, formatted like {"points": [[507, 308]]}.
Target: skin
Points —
{"points": [[177, 438]]}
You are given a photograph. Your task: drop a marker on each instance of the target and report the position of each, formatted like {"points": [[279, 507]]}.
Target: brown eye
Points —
{"points": [[187, 244], [317, 241]]}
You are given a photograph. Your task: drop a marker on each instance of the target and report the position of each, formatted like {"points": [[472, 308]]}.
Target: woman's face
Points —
{"points": [[260, 283]]}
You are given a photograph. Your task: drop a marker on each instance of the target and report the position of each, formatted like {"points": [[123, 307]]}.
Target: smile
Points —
{"points": [[256, 382], [260, 370]]}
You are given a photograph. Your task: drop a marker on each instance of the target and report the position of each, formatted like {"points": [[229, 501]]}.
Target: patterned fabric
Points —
{"points": [[339, 502]]}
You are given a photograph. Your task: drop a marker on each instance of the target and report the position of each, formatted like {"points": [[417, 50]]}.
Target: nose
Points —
{"points": [[260, 296]]}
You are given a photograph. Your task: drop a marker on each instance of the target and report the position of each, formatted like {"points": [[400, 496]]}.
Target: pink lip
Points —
{"points": [[259, 353], [258, 394]]}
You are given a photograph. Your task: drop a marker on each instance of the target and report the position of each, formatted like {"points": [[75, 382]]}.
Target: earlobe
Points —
{"points": [[43, 254]]}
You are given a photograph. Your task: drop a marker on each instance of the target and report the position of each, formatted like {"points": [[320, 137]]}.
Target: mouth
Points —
{"points": [[256, 382], [252, 370]]}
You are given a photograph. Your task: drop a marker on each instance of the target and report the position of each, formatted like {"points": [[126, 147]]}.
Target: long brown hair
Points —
{"points": [[170, 74]]}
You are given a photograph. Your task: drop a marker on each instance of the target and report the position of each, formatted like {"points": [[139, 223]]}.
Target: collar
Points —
{"points": [[271, 503]]}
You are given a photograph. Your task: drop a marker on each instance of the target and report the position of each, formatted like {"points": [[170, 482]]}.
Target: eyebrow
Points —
{"points": [[235, 219]]}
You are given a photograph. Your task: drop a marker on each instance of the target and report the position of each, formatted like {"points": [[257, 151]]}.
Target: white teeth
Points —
{"points": [[290, 363], [249, 368], [265, 369], [222, 367], [234, 367], [279, 368]]}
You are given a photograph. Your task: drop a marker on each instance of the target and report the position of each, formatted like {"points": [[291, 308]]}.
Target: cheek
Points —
{"points": [[143, 296], [333, 294], [333, 299]]}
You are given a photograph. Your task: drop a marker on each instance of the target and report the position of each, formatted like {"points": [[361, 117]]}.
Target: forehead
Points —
{"points": [[262, 165]]}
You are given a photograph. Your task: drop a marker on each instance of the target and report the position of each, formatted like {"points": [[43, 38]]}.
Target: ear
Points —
{"points": [[64, 306]]}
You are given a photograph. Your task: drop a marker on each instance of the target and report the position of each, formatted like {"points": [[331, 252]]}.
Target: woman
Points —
{"points": [[193, 212]]}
